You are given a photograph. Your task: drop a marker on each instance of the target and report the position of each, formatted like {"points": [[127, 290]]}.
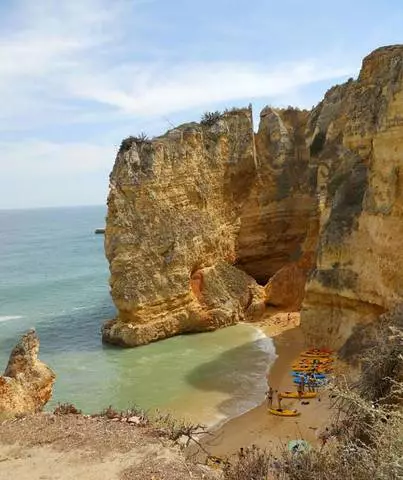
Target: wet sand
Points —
{"points": [[268, 431]]}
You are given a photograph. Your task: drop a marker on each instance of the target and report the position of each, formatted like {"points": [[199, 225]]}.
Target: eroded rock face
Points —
{"points": [[174, 207], [356, 136], [279, 219], [201, 216], [26, 385]]}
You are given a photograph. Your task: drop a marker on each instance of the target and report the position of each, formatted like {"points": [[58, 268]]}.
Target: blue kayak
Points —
{"points": [[300, 374], [318, 382]]}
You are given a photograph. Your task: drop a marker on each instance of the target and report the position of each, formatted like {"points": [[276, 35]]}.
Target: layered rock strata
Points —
{"points": [[356, 138], [210, 223], [27, 383], [173, 214], [186, 207]]}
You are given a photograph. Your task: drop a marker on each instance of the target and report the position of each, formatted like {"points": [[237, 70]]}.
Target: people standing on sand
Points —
{"points": [[279, 398], [269, 396], [311, 382], [301, 385]]}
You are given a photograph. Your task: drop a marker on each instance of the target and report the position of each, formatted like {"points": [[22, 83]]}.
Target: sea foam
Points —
{"points": [[6, 318]]}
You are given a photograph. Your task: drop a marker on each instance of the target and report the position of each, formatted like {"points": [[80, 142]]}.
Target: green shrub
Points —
{"points": [[210, 118], [140, 139]]}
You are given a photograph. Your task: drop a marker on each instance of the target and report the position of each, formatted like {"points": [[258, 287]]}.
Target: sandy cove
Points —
{"points": [[257, 426]]}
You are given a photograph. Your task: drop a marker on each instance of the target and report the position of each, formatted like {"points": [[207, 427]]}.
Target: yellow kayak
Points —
{"points": [[319, 361], [284, 413], [298, 395], [311, 366]]}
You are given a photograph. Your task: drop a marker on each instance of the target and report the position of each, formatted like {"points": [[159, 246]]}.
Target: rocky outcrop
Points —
{"points": [[356, 138], [279, 219], [201, 219], [26, 385], [173, 220], [199, 216]]}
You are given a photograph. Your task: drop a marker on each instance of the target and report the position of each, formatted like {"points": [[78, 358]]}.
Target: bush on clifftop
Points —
{"points": [[140, 139], [210, 118]]}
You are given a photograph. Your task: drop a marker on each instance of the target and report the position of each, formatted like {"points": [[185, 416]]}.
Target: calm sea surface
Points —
{"points": [[54, 277]]}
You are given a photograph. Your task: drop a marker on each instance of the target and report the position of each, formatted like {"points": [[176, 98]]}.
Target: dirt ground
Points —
{"points": [[73, 447]]}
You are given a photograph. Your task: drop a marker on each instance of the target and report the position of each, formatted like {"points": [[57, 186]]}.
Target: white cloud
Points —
{"points": [[193, 85], [59, 64], [66, 62], [37, 158]]}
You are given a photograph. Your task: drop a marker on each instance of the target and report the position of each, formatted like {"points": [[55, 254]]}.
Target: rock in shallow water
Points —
{"points": [[27, 383]]}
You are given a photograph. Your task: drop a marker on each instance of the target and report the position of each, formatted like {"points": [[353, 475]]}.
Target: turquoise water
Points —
{"points": [[54, 277]]}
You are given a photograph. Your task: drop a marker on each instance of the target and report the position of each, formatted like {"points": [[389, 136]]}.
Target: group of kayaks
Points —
{"points": [[312, 369]]}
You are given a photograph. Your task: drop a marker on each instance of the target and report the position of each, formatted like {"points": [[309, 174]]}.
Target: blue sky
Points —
{"points": [[77, 76]]}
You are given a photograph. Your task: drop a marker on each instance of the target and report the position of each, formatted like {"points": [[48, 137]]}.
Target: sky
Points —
{"points": [[78, 76]]}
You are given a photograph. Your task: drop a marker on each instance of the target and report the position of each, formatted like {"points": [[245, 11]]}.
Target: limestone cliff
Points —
{"points": [[356, 139], [26, 385], [200, 219], [173, 219], [186, 207], [278, 221]]}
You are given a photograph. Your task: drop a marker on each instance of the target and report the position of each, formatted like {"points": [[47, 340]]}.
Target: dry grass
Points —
{"points": [[96, 440], [66, 409], [251, 463]]}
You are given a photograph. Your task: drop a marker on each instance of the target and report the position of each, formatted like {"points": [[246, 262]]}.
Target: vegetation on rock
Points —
{"points": [[210, 118]]}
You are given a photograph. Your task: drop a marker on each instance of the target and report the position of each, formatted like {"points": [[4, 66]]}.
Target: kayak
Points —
{"points": [[320, 351], [311, 370], [318, 355], [315, 355], [313, 361], [301, 374], [284, 413], [298, 395], [317, 383]]}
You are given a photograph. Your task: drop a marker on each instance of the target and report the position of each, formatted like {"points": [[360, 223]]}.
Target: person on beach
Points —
{"points": [[301, 386], [279, 398], [311, 382], [269, 397]]}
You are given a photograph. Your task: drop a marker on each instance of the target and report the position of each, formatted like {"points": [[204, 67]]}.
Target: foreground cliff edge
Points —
{"points": [[211, 223], [27, 383]]}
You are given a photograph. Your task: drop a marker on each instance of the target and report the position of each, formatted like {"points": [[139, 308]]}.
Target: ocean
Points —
{"points": [[54, 277]]}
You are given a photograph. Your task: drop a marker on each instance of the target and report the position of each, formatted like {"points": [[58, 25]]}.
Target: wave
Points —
{"points": [[6, 318]]}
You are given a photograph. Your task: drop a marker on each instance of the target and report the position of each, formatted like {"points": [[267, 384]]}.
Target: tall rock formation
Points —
{"points": [[26, 385], [186, 207], [356, 138], [211, 222], [278, 221], [172, 224]]}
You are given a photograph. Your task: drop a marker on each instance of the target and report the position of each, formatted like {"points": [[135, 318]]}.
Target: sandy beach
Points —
{"points": [[257, 426]]}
